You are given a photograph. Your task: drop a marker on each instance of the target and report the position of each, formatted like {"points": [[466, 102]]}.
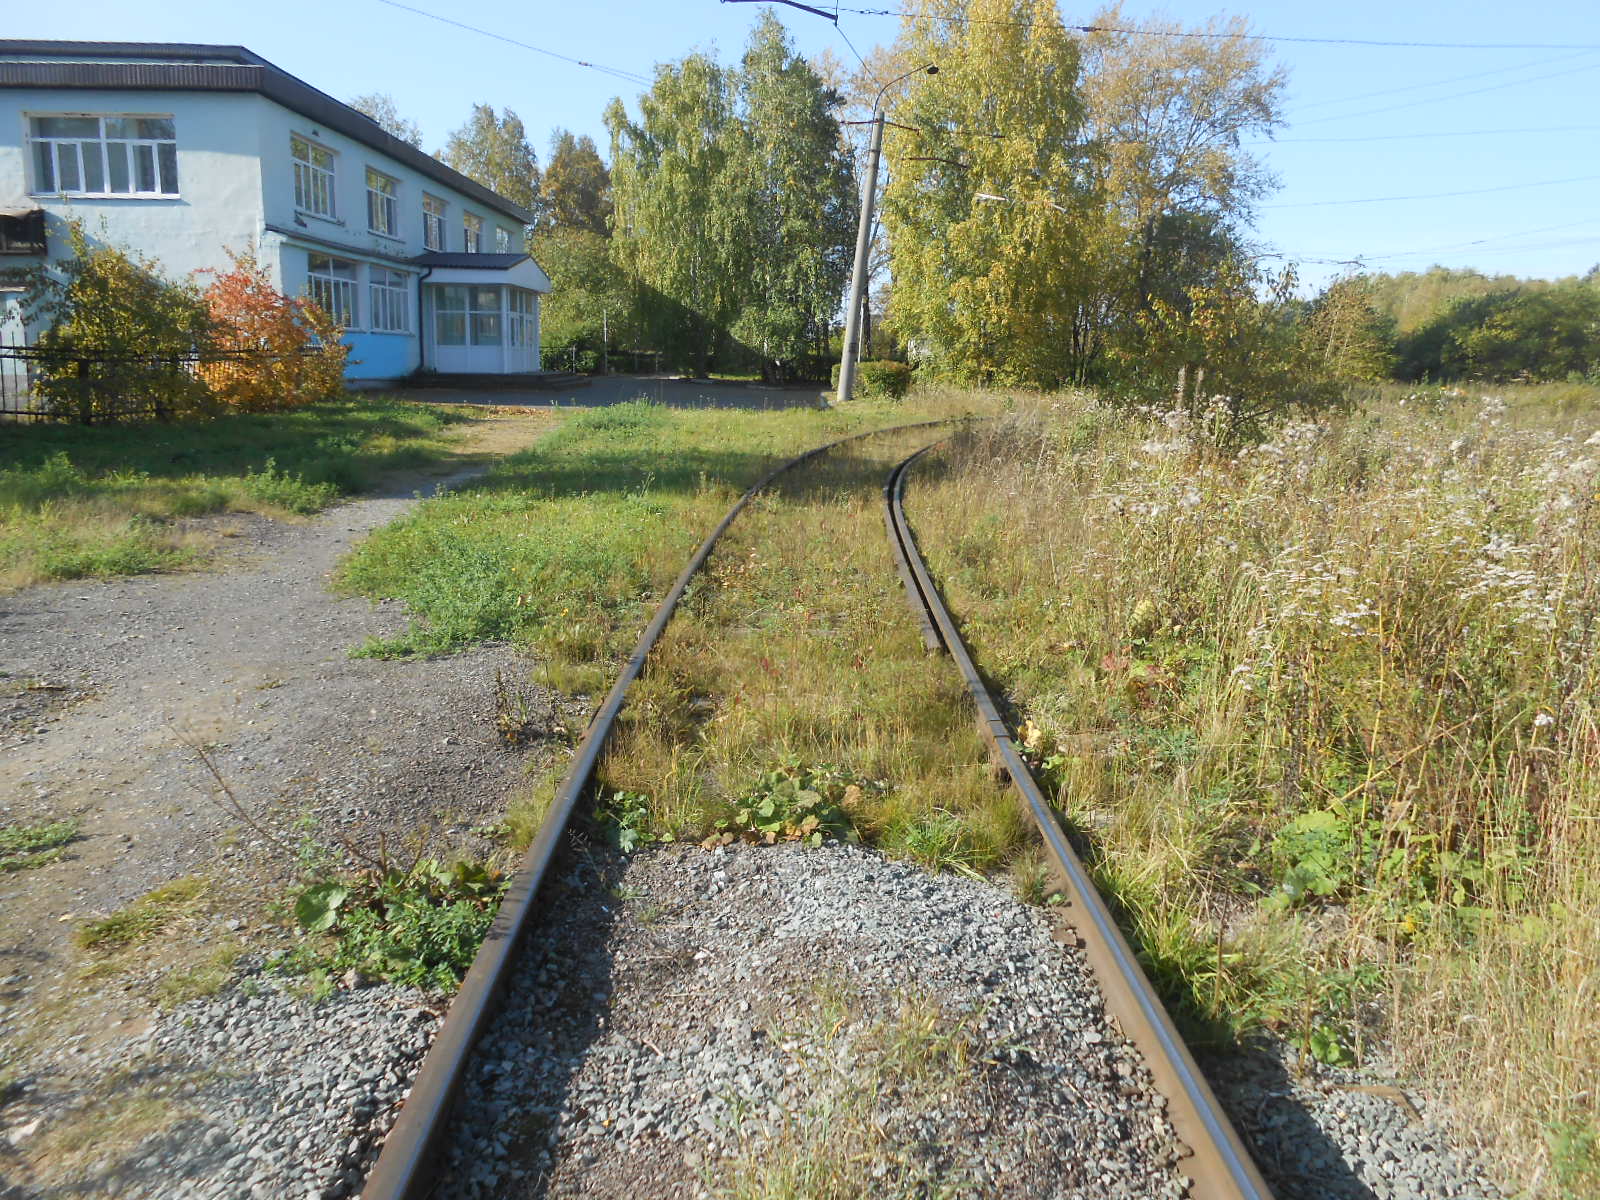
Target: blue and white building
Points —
{"points": [[183, 153]]}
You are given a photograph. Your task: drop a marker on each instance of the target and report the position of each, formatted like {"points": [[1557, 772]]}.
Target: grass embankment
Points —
{"points": [[1324, 712], [102, 500]]}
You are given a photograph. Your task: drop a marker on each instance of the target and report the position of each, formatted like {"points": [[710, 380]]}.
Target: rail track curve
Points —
{"points": [[1220, 1167]]}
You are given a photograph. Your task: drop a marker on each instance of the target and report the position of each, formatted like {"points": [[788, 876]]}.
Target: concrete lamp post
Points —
{"points": [[858, 273]]}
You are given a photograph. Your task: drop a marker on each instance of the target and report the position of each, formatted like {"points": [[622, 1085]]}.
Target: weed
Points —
{"points": [[1339, 686], [624, 818], [149, 915], [23, 847], [291, 493], [794, 803], [419, 926], [515, 713], [100, 500]]}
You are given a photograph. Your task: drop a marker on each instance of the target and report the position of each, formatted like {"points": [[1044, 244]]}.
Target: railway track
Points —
{"points": [[1213, 1163]]}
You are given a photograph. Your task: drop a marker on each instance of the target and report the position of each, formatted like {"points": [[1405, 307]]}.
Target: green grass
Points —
{"points": [[23, 847], [567, 545], [81, 501], [145, 918], [1323, 716]]}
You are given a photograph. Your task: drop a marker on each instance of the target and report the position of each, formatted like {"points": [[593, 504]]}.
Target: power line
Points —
{"points": [[1413, 87], [1210, 34], [618, 72], [1493, 87], [1472, 244], [1510, 187], [1404, 137]]}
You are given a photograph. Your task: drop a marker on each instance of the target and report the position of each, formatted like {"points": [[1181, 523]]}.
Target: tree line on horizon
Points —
{"points": [[1059, 208]]}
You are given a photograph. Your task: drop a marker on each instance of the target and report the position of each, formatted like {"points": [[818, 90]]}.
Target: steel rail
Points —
{"points": [[404, 1167], [1221, 1167]]}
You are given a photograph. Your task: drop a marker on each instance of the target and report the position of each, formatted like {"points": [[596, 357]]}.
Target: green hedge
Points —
{"points": [[879, 377]]}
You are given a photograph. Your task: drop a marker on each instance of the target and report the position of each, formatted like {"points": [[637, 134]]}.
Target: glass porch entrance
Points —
{"points": [[488, 329]]}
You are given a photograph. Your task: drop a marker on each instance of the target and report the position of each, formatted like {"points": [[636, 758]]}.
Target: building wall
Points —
{"points": [[219, 178], [349, 225]]}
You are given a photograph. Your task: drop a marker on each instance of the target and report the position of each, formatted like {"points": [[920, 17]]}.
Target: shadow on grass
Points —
{"points": [[346, 442]]}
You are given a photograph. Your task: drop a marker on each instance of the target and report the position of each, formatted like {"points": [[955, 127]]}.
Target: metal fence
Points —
{"points": [[60, 383]]}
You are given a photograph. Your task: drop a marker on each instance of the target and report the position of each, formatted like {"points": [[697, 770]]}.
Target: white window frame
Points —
{"points": [[383, 207], [389, 300], [476, 320], [502, 240], [433, 214], [313, 179], [95, 154], [332, 289], [472, 233]]}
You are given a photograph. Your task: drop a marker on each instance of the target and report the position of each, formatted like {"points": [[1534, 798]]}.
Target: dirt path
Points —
{"points": [[106, 687]]}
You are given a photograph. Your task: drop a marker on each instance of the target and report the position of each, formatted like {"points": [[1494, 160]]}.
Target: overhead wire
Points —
{"points": [[1493, 87], [1509, 187], [1221, 34], [617, 72], [1414, 87], [1405, 137]]}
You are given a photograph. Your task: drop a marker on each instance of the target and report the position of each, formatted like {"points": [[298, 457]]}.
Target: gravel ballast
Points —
{"points": [[691, 1016]]}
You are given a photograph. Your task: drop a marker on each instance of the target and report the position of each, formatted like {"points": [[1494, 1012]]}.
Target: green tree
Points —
{"points": [[1543, 331], [670, 227], [380, 106], [994, 288], [576, 191], [1230, 354], [790, 185], [494, 151], [1348, 335], [592, 304], [732, 206]]}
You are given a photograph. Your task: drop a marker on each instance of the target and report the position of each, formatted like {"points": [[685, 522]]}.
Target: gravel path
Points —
{"points": [[106, 687]]}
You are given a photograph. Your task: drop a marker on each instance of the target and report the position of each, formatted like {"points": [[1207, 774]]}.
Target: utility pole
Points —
{"points": [[858, 273]]}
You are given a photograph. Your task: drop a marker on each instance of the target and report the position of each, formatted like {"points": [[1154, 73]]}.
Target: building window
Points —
{"points": [[331, 283], [472, 233], [313, 177], [502, 239], [522, 307], [467, 316], [432, 223], [383, 208], [388, 309], [23, 232], [104, 156]]}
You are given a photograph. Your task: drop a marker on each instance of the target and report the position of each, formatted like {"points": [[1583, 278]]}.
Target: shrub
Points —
{"points": [[879, 378], [105, 303], [292, 353]]}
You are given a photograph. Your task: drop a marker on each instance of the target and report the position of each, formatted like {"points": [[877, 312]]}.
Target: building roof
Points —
{"points": [[169, 66], [476, 262]]}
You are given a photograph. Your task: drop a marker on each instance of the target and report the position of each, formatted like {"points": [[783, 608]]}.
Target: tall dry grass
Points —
{"points": [[1324, 710]]}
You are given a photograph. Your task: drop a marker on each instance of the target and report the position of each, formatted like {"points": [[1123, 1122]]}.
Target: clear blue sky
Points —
{"points": [[435, 71]]}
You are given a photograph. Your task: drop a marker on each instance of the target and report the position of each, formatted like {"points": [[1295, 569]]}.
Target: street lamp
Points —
{"points": [[858, 273]]}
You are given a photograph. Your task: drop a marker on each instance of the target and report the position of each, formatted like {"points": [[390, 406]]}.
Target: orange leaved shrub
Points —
{"points": [[276, 351]]}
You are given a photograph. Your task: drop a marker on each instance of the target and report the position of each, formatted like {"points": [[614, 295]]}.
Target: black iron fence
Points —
{"points": [[61, 383]]}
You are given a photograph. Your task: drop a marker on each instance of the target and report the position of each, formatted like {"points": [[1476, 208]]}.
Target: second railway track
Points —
{"points": [[786, 1019]]}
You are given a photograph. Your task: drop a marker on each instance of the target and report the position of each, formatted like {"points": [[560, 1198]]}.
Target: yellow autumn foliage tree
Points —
{"points": [[993, 289]]}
